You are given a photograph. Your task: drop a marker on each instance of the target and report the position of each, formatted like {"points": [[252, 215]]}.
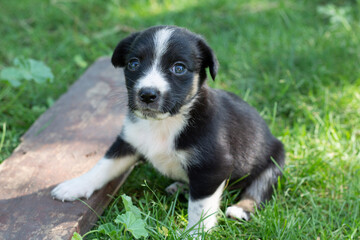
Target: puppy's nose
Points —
{"points": [[149, 95]]}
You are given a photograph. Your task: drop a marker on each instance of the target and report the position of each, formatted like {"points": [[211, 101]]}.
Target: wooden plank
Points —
{"points": [[66, 141]]}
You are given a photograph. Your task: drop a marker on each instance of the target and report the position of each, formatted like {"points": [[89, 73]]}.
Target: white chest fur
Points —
{"points": [[155, 140]]}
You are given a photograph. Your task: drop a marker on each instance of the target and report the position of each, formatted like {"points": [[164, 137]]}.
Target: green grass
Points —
{"points": [[296, 62]]}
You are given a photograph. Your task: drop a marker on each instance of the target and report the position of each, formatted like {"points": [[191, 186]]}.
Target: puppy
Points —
{"points": [[187, 130]]}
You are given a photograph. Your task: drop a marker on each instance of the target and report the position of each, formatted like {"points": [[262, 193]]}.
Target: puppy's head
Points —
{"points": [[164, 68]]}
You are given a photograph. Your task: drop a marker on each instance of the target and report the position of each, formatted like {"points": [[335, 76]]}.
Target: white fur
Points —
{"points": [[104, 171], [206, 209], [237, 212], [154, 79], [161, 40], [155, 140]]}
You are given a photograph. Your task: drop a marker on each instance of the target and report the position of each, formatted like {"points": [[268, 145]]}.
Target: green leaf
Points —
{"points": [[129, 207], [12, 75], [79, 60], [132, 224], [108, 229], [26, 74], [76, 236], [26, 69], [21, 62], [40, 72]]}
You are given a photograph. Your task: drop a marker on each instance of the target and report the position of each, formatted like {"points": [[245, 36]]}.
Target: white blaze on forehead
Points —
{"points": [[161, 40], [154, 78]]}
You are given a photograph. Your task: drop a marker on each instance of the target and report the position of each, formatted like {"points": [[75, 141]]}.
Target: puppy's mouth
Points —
{"points": [[148, 103], [150, 114]]}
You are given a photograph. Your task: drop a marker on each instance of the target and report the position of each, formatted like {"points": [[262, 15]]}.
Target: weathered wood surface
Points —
{"points": [[66, 141]]}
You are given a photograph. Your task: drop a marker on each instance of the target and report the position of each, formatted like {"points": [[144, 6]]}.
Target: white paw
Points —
{"points": [[237, 213], [73, 189], [174, 187]]}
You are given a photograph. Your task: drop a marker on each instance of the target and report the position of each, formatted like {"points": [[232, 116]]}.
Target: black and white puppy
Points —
{"points": [[188, 131]]}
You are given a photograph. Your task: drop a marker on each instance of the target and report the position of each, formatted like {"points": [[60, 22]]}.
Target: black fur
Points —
{"points": [[233, 141], [119, 148]]}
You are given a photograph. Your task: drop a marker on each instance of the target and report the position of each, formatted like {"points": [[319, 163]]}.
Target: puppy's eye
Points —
{"points": [[133, 64], [178, 69]]}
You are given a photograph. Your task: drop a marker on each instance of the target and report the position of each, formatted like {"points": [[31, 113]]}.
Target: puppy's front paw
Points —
{"points": [[237, 213], [73, 189]]}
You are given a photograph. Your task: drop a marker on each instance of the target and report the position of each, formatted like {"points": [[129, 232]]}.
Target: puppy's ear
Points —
{"points": [[122, 49], [208, 58]]}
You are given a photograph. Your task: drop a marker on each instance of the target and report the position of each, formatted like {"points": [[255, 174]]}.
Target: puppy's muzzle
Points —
{"points": [[149, 95]]}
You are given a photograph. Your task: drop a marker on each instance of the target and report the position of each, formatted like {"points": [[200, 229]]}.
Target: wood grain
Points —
{"points": [[66, 141]]}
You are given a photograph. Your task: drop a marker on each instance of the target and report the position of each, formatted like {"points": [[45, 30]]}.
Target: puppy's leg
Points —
{"points": [[256, 193], [205, 209], [118, 159]]}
